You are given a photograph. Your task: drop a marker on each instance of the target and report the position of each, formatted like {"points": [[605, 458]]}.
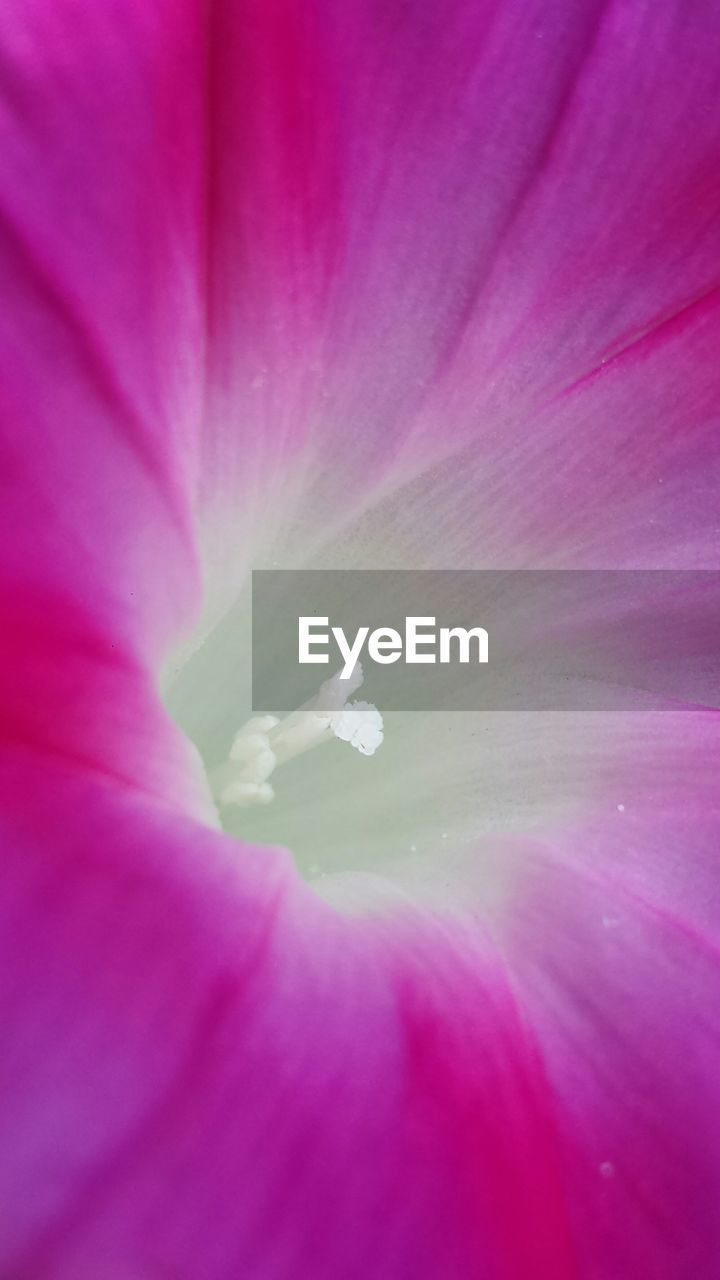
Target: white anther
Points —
{"points": [[360, 724]]}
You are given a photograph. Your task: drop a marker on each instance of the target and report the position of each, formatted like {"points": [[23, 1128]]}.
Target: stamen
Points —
{"points": [[264, 742]]}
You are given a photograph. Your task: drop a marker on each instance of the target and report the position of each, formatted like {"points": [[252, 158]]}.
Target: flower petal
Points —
{"points": [[209, 1072], [482, 331], [102, 337], [479, 245], [613, 941], [101, 351], [239, 1078]]}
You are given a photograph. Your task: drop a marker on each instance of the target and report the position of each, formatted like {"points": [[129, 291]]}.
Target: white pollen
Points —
{"points": [[621, 808], [360, 724]]}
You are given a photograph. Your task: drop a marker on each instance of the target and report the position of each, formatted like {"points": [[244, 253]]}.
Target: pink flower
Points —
{"points": [[415, 284]]}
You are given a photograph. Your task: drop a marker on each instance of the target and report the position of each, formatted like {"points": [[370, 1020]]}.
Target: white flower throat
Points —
{"points": [[265, 742]]}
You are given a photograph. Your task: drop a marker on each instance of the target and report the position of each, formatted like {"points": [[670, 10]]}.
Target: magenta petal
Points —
{"points": [[210, 1073], [365, 243], [101, 339], [363, 240], [613, 939], [479, 233], [101, 343]]}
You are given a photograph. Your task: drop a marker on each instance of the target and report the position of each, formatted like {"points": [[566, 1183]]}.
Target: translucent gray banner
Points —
{"points": [[487, 639]]}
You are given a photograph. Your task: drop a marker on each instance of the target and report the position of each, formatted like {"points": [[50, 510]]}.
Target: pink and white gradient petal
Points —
{"points": [[267, 266], [210, 1072]]}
